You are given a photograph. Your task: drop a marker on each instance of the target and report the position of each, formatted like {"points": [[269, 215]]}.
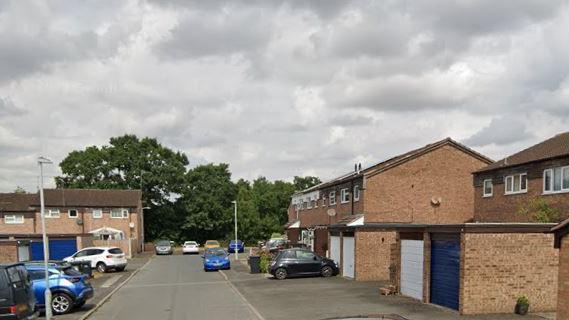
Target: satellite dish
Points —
{"points": [[331, 212]]}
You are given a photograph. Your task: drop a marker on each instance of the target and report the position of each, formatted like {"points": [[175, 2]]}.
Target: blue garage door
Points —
{"points": [[58, 249], [445, 273]]}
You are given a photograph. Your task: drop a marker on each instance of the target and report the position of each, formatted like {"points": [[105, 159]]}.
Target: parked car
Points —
{"points": [[238, 246], [301, 262], [216, 259], [275, 245], [17, 299], [191, 247], [69, 288], [101, 258], [210, 244], [163, 247]]}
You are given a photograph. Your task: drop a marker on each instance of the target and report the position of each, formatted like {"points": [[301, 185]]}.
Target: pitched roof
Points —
{"points": [[400, 159], [554, 147], [70, 198]]}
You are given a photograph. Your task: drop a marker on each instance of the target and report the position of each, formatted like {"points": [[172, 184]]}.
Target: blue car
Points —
{"points": [[233, 246], [216, 259], [69, 288]]}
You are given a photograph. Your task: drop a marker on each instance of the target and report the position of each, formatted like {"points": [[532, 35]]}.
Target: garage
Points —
{"points": [[348, 250], [412, 268], [445, 271], [335, 248], [58, 248]]}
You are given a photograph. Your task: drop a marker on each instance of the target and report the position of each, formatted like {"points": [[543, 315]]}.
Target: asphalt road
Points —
{"points": [[174, 288]]}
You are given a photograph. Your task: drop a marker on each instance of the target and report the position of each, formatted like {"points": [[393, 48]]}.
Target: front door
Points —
{"points": [[23, 253]]}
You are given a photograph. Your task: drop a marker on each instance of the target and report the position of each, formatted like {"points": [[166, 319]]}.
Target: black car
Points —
{"points": [[301, 262], [17, 299]]}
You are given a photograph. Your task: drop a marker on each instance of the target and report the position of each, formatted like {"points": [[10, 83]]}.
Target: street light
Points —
{"points": [[236, 248], [41, 162], [142, 225]]}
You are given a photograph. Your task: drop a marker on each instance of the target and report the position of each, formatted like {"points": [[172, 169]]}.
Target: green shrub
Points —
{"points": [[264, 262], [539, 210], [523, 301]]}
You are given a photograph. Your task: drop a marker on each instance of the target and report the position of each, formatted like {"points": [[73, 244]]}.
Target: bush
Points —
{"points": [[523, 301], [264, 262]]}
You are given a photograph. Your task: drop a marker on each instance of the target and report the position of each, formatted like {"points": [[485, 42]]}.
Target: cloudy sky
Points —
{"points": [[279, 88]]}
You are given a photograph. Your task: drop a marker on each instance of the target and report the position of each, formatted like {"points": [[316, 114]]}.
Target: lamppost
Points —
{"points": [[236, 247], [41, 162], [142, 225]]}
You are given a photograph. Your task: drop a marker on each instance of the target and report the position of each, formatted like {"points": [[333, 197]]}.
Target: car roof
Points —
{"points": [[101, 248], [211, 241]]}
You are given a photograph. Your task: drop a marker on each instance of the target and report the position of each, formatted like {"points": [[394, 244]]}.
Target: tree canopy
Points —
{"points": [[184, 204]]}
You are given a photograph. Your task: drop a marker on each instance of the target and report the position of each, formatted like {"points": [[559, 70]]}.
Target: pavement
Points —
{"points": [[176, 287]]}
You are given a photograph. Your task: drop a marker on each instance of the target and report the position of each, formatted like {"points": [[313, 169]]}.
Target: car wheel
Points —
{"points": [[326, 271], [61, 303], [101, 267], [281, 273]]}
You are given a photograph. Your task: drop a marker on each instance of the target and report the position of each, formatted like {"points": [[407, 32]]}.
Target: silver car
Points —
{"points": [[163, 247]]}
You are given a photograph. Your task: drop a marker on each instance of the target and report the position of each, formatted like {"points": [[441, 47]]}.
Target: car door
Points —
{"points": [[308, 262]]}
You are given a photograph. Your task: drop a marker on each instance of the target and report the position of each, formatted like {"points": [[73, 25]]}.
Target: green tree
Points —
{"points": [[130, 163], [19, 190], [540, 211], [301, 183], [207, 202]]}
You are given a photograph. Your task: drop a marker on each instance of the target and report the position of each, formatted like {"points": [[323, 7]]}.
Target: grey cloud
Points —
{"points": [[500, 131], [7, 108]]}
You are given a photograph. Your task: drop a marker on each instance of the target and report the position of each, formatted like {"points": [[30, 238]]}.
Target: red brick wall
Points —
{"points": [[26, 227], [8, 252], [373, 254], [321, 241], [292, 235], [504, 208], [497, 268], [563, 294], [404, 193]]}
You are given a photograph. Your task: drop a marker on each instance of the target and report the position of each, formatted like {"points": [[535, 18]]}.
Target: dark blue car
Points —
{"points": [[238, 246], [216, 259], [69, 288]]}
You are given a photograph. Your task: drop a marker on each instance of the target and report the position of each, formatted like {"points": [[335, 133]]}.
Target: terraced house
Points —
{"points": [[353, 218], [75, 218]]}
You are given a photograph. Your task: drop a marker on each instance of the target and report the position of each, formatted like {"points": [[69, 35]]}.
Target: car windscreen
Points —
{"points": [[216, 252], [190, 243], [212, 242], [115, 251], [163, 243]]}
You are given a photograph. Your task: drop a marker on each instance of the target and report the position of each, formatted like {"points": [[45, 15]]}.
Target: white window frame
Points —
{"points": [[308, 203], [332, 197], [564, 189], [323, 201], [356, 193], [52, 213], [97, 216], [14, 219], [316, 203], [124, 213], [506, 192], [76, 213], [486, 195], [344, 194]]}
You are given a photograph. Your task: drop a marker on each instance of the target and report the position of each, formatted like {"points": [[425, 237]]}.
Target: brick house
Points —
{"points": [[562, 243], [431, 184], [75, 218], [538, 175]]}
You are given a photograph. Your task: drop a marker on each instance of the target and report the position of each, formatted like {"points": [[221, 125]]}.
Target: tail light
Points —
{"points": [[13, 309]]}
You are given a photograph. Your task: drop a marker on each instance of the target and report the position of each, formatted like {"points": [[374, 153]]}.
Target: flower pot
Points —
{"points": [[521, 309]]}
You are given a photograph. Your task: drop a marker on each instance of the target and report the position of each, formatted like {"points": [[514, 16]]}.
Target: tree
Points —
{"points": [[540, 211], [207, 202], [302, 183], [19, 190], [129, 163]]}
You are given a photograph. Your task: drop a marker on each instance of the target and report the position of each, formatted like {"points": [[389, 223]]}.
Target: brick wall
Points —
{"points": [[321, 241], [504, 208], [26, 227], [8, 252], [293, 235], [563, 295], [373, 254], [497, 268], [404, 193]]}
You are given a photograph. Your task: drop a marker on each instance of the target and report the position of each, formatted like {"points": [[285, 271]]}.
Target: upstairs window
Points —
{"points": [[14, 219], [52, 213], [119, 213], [97, 213], [356, 193], [332, 198], [72, 213], [556, 180], [323, 201], [344, 196], [309, 203], [488, 188], [516, 183]]}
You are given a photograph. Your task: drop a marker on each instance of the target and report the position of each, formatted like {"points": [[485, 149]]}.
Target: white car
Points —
{"points": [[191, 247], [101, 258]]}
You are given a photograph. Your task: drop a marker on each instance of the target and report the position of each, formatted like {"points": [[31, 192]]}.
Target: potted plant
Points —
{"points": [[522, 305]]}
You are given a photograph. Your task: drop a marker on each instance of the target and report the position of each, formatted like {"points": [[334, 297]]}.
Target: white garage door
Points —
{"points": [[348, 256], [412, 268], [335, 249]]}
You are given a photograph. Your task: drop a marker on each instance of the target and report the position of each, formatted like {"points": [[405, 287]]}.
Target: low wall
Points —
{"points": [[497, 268], [8, 251]]}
